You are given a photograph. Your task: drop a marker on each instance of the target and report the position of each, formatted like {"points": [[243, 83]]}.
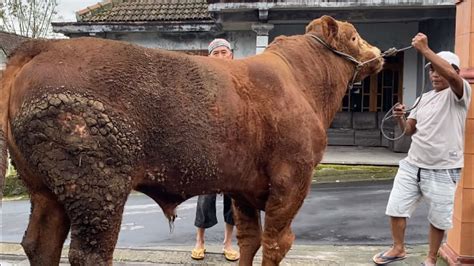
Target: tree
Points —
{"points": [[30, 18]]}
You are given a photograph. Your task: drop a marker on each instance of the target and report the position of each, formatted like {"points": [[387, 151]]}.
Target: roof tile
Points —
{"points": [[146, 10]]}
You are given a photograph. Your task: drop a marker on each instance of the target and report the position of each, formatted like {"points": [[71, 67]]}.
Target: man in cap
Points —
{"points": [[435, 158], [220, 48], [206, 205]]}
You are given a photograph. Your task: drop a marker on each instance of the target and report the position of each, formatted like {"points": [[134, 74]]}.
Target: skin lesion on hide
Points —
{"points": [[75, 143], [70, 118], [75, 124]]}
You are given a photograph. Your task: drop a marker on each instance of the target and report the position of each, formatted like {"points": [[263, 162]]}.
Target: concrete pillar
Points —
{"points": [[459, 249], [262, 30]]}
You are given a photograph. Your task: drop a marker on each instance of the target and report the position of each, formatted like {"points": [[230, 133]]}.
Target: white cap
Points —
{"points": [[218, 43], [450, 57]]}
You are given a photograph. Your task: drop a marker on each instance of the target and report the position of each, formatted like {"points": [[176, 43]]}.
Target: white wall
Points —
{"points": [[411, 82], [3, 60], [243, 43]]}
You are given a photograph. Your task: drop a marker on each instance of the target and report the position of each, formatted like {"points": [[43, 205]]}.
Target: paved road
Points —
{"points": [[338, 213]]}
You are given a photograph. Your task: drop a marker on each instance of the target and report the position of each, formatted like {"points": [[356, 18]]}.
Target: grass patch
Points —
{"points": [[11, 171], [326, 173], [14, 187]]}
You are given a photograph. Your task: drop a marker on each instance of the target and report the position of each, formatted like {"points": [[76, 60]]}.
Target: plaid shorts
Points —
{"points": [[436, 186]]}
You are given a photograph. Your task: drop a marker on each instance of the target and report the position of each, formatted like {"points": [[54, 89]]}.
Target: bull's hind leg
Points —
{"points": [[289, 187], [84, 151], [47, 230], [96, 217], [248, 231], [93, 191], [93, 187]]}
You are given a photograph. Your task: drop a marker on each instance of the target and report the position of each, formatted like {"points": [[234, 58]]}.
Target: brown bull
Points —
{"points": [[88, 120]]}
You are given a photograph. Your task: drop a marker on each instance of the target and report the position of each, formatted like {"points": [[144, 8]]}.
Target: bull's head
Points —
{"points": [[343, 37]]}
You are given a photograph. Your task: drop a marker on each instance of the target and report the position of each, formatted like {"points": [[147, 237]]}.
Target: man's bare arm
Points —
{"points": [[441, 66]]}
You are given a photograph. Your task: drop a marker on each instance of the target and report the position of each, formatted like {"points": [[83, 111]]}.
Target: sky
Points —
{"points": [[66, 9]]}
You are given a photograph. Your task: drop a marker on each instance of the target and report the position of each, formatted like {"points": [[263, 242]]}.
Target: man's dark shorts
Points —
{"points": [[206, 211]]}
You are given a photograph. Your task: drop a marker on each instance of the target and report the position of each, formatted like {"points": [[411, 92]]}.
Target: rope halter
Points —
{"points": [[358, 65]]}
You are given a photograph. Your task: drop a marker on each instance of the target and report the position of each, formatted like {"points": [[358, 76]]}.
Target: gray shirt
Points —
{"points": [[438, 142]]}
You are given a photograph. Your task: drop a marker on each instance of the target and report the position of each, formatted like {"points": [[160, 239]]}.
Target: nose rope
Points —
{"points": [[390, 52], [358, 65]]}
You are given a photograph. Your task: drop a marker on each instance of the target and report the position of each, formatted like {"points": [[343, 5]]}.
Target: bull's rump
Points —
{"points": [[131, 104]]}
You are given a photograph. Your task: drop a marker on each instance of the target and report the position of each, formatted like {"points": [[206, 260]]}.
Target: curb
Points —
{"points": [[298, 255]]}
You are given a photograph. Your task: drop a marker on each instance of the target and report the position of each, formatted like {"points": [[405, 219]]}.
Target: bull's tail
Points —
{"points": [[4, 114], [3, 142], [22, 55], [4, 103]]}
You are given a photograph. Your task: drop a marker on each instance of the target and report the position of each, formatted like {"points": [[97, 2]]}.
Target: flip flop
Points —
{"points": [[382, 260], [198, 253], [231, 255]]}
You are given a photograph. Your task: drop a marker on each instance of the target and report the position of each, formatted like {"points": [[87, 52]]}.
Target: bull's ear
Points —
{"points": [[330, 28], [325, 27]]}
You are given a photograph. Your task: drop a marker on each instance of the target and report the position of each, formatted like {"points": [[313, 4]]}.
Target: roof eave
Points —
{"points": [[299, 4], [154, 26]]}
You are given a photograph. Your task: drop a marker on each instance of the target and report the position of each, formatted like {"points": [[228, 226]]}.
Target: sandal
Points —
{"points": [[198, 253], [231, 255], [381, 259]]}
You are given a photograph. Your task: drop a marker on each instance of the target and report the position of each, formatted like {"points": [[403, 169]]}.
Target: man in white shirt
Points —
{"points": [[433, 165]]}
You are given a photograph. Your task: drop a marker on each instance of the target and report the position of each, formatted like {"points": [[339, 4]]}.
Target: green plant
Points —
{"points": [[14, 186]]}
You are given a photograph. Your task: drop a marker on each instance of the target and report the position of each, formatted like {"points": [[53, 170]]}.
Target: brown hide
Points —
{"points": [[88, 120]]}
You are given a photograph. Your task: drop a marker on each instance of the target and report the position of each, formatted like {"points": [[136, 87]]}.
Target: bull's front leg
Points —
{"points": [[249, 231], [289, 187]]}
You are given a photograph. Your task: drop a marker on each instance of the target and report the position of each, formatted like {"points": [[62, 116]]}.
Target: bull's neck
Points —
{"points": [[321, 75]]}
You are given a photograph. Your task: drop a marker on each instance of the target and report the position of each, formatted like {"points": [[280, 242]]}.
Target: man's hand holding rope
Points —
{"points": [[407, 126]]}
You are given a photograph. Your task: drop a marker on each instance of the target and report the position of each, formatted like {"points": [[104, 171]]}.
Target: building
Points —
{"points": [[189, 25]]}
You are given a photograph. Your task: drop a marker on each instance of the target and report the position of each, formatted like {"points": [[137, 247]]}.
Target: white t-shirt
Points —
{"points": [[438, 142]]}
